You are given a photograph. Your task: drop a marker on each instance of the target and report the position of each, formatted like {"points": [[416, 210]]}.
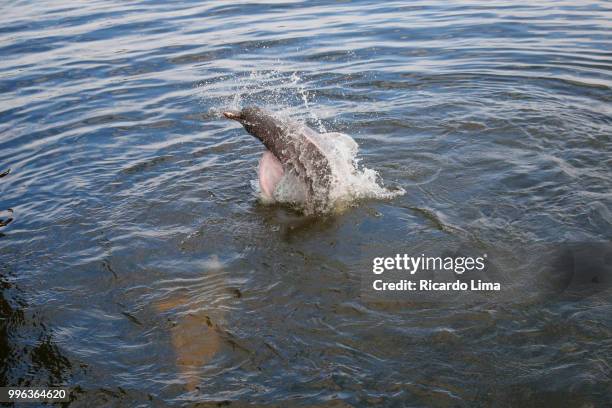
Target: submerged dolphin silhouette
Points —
{"points": [[291, 147]]}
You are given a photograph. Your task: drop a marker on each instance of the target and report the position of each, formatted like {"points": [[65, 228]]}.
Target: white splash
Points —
{"points": [[285, 93], [350, 181]]}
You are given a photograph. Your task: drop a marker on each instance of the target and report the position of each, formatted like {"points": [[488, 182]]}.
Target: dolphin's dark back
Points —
{"points": [[296, 147]]}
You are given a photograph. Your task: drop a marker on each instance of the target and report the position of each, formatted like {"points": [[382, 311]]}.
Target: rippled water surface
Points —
{"points": [[141, 268]]}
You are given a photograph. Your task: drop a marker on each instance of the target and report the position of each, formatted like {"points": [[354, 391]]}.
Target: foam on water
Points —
{"points": [[351, 181]]}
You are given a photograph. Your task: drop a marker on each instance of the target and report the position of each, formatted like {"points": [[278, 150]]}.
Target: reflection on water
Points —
{"points": [[28, 355], [191, 309], [6, 216], [194, 339], [141, 268]]}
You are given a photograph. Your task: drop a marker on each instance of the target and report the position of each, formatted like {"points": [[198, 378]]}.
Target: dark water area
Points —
{"points": [[141, 269]]}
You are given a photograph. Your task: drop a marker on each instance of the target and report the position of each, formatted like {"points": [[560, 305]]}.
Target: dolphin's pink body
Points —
{"points": [[270, 173], [293, 149]]}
